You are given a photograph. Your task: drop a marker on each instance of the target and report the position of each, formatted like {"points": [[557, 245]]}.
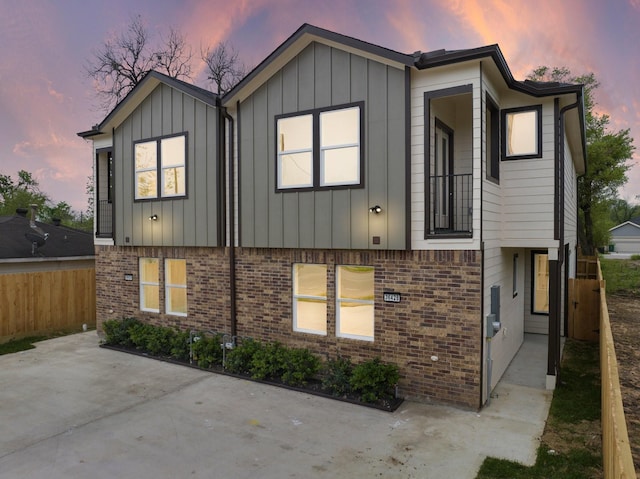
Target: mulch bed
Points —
{"points": [[313, 387]]}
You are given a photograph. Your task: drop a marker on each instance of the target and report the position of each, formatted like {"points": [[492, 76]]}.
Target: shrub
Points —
{"points": [[337, 375], [139, 334], [300, 365], [206, 350], [180, 346], [635, 257], [374, 380], [159, 340], [117, 331], [268, 362], [238, 360]]}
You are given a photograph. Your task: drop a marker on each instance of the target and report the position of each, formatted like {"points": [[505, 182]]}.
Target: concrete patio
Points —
{"points": [[69, 409]]}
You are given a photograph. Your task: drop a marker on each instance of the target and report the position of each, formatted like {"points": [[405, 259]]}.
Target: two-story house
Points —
{"points": [[353, 200]]}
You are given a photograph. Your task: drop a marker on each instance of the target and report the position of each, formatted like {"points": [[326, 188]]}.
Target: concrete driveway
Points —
{"points": [[69, 409]]}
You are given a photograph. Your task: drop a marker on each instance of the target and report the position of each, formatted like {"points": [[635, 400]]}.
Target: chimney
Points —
{"points": [[22, 212]]}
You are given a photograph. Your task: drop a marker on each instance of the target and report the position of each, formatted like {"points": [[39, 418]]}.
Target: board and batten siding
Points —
{"points": [[190, 221], [322, 76], [467, 145]]}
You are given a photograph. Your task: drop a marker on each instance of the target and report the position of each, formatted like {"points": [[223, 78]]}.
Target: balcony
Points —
{"points": [[104, 219], [450, 211]]}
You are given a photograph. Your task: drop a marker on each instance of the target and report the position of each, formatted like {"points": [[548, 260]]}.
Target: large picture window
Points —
{"points": [[540, 286], [310, 298], [522, 132], [355, 302], [149, 285], [175, 283], [160, 168], [320, 148]]}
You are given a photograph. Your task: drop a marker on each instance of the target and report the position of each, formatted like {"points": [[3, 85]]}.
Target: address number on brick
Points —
{"points": [[391, 297]]}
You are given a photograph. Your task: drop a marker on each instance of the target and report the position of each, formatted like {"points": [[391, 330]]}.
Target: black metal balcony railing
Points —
{"points": [[104, 219], [450, 205]]}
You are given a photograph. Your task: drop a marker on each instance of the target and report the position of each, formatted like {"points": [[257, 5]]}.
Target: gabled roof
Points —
{"points": [[62, 241], [631, 224], [137, 95], [296, 43]]}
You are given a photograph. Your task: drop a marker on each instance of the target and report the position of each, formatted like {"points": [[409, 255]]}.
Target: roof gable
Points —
{"points": [[291, 47], [628, 228], [138, 94]]}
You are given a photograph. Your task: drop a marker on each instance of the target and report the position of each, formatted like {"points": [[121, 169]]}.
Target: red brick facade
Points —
{"points": [[439, 314]]}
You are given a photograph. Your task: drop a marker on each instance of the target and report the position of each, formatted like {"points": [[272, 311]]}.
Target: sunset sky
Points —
{"points": [[46, 98]]}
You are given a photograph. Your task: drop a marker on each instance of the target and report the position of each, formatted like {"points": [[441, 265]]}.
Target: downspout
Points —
{"points": [[555, 276], [232, 227], [482, 319]]}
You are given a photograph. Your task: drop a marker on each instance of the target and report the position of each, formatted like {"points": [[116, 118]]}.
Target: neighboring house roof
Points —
{"points": [[628, 228], [141, 91], [62, 241], [635, 220]]}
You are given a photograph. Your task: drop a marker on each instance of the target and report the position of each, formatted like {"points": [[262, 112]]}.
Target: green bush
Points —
{"points": [[139, 334], [337, 376], [300, 365], [268, 362], [207, 351], [180, 346], [238, 360], [160, 341], [635, 257], [374, 380], [117, 331]]}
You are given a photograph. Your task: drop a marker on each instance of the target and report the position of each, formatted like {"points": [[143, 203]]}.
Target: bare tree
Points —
{"points": [[123, 61], [224, 69]]}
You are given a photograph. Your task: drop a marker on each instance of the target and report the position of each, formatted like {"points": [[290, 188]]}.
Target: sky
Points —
{"points": [[46, 96]]}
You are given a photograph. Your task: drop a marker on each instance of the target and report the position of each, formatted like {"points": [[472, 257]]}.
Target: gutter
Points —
{"points": [[232, 232]]}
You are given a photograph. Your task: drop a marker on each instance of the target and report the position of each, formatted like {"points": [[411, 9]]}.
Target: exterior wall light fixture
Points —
{"points": [[377, 209], [153, 218]]}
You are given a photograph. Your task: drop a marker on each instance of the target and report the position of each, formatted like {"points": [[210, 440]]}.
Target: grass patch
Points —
{"points": [[571, 444], [17, 345], [622, 275]]}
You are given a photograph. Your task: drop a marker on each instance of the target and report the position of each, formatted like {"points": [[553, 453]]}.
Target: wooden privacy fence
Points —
{"points": [[45, 301], [589, 320]]}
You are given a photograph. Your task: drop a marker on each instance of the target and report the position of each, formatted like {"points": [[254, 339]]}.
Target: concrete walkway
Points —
{"points": [[69, 409]]}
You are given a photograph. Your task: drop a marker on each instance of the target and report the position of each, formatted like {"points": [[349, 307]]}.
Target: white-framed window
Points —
{"points": [[320, 148], [540, 283], [522, 132], [149, 272], [340, 147], [310, 298], [355, 302], [160, 167], [175, 284]]}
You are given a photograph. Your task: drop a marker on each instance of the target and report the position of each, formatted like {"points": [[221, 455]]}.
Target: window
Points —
{"points": [[320, 149], [160, 168], [310, 298], [540, 283], [492, 139], [175, 283], [149, 285], [522, 133], [355, 302], [514, 279]]}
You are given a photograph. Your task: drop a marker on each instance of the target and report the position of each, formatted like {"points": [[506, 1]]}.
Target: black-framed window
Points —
{"points": [[492, 139], [160, 167], [320, 148], [540, 282], [522, 132]]}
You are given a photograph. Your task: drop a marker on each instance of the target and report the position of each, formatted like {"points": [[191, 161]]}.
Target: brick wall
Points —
{"points": [[439, 314], [207, 286]]}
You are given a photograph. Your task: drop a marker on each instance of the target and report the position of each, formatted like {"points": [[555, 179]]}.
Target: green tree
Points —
{"points": [[621, 211], [20, 194], [607, 155]]}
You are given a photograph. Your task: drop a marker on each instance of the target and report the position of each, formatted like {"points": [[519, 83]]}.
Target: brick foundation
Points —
{"points": [[439, 314]]}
